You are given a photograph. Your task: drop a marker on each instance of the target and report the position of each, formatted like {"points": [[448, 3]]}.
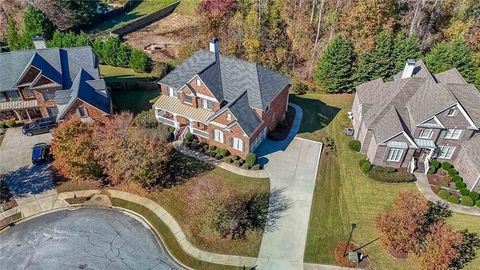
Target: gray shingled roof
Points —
{"points": [[60, 65], [395, 106], [235, 77]]}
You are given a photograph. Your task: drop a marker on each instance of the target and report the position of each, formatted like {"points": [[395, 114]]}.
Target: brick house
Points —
{"points": [[52, 82], [224, 101], [419, 116]]}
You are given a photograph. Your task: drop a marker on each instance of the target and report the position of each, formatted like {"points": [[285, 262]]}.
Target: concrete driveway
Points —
{"points": [[292, 167], [88, 238], [16, 165]]}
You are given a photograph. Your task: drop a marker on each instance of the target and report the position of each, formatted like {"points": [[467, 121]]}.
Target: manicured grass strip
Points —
{"points": [[167, 236]]}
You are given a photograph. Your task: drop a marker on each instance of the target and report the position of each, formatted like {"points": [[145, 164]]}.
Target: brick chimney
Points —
{"points": [[39, 42], [408, 70]]}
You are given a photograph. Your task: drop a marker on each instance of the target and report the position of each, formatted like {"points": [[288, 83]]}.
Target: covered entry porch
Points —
{"points": [[422, 156]]}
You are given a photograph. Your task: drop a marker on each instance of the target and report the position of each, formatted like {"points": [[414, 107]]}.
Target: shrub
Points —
{"points": [[140, 61], [10, 123], [189, 137], [366, 166], [355, 145], [435, 164], [206, 147], [464, 191], [256, 167], [218, 156], [222, 152], [477, 203], [227, 160], [474, 195], [251, 159], [241, 161], [212, 154], [246, 166], [212, 148], [236, 163], [163, 133], [363, 161], [444, 194], [452, 172], [457, 178], [234, 157], [431, 170], [446, 165], [2, 124], [467, 201], [460, 185], [453, 199], [171, 129], [146, 119], [299, 88]]}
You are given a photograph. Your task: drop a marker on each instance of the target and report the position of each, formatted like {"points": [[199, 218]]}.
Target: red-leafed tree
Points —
{"points": [[217, 7], [73, 149], [401, 227], [439, 247]]}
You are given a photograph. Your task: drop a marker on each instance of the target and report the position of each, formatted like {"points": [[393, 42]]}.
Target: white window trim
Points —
{"points": [[199, 83], [452, 135], [395, 158], [205, 104], [237, 144], [453, 110], [171, 92], [218, 136], [422, 133], [443, 154]]}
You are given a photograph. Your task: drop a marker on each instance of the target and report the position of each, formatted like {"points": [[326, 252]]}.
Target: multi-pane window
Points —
{"points": [[171, 92], [452, 112], [28, 93], [453, 133], [426, 133], [446, 152], [13, 95], [187, 99], [395, 154], [218, 135], [207, 104], [237, 144]]}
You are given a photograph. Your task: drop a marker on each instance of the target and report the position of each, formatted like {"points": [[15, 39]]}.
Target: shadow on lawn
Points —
{"points": [[316, 113], [185, 167], [33, 180]]}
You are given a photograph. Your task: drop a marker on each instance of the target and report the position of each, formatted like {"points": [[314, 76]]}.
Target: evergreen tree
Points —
{"points": [[12, 36], [335, 67], [123, 55], [110, 47], [438, 59], [139, 61], [83, 12], [363, 69], [382, 60], [405, 48], [57, 40], [82, 40], [37, 23]]}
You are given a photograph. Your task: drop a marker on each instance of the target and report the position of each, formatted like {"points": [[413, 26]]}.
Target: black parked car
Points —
{"points": [[41, 153], [39, 126]]}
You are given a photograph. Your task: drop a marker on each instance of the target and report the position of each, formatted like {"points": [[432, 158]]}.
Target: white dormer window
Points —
{"points": [[229, 116], [199, 83], [426, 133], [452, 112]]}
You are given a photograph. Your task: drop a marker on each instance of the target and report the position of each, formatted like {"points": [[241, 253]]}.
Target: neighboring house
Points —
{"points": [[224, 101], [419, 116], [52, 82]]}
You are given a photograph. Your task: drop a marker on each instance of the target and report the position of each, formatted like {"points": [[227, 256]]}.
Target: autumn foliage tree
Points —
{"points": [[73, 149], [401, 226]]}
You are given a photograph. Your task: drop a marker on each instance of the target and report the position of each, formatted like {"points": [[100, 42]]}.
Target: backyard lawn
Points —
{"points": [[343, 195], [146, 7], [130, 90]]}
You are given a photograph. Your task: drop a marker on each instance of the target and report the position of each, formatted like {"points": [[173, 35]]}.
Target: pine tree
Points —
{"points": [[405, 48], [37, 23], [382, 60], [363, 69], [438, 59], [13, 36], [335, 67], [56, 41]]}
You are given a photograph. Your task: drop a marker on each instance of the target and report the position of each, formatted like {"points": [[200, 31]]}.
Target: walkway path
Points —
{"points": [[424, 187], [292, 166]]}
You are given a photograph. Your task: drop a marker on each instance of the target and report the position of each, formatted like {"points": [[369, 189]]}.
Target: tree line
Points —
{"points": [[111, 51]]}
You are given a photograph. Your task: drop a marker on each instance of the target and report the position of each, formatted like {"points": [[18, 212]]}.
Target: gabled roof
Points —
{"points": [[400, 105], [229, 77]]}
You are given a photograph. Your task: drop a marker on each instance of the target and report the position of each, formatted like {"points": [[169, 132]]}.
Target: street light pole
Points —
{"points": [[349, 238]]}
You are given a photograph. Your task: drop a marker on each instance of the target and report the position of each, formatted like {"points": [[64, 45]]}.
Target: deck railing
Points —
{"points": [[166, 121], [200, 132]]}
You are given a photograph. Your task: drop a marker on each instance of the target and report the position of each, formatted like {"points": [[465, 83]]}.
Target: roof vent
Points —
{"points": [[39, 43], [409, 68]]}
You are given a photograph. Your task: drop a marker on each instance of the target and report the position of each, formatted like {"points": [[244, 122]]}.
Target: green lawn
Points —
{"points": [[118, 74], [146, 7], [343, 195]]}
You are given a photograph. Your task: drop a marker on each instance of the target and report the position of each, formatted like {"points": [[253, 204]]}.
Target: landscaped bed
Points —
{"points": [[386, 174], [448, 185]]}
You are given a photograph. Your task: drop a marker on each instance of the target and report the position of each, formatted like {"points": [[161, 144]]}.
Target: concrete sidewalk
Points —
{"points": [[424, 187]]}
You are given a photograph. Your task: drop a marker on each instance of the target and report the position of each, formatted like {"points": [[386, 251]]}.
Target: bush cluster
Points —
{"points": [[444, 194], [355, 145], [467, 201], [453, 199], [446, 166], [365, 165], [464, 191]]}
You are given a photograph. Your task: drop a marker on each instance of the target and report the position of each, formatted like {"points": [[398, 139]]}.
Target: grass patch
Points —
{"points": [[167, 236], [188, 7], [119, 74], [191, 173], [390, 175], [344, 195], [146, 7]]}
